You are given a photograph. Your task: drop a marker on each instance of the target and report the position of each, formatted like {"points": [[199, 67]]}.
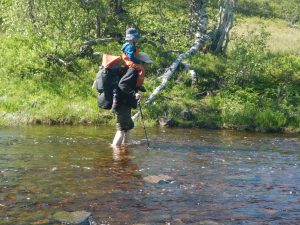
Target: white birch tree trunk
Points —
{"points": [[220, 36], [200, 39]]}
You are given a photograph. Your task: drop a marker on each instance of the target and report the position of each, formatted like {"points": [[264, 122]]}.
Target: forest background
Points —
{"points": [[47, 70]]}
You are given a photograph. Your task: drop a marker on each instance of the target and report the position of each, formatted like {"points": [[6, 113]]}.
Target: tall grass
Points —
{"points": [[282, 39]]}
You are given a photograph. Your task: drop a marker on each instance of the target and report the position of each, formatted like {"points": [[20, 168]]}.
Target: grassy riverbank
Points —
{"points": [[255, 87], [265, 98]]}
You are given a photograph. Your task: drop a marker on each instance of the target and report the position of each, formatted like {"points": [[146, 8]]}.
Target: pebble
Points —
{"points": [[159, 179]]}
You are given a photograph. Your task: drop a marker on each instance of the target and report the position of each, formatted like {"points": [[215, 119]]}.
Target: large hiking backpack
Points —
{"points": [[107, 80]]}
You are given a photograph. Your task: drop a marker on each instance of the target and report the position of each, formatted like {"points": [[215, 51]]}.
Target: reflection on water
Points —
{"points": [[220, 177]]}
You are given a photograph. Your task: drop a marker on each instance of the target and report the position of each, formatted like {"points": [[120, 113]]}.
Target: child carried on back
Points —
{"points": [[130, 57], [130, 54]]}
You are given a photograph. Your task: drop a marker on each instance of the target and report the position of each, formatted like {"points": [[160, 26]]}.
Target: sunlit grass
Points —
{"points": [[283, 38]]}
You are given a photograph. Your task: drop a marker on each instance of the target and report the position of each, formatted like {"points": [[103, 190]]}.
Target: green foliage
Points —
{"points": [[156, 21], [245, 65], [238, 110], [259, 89], [209, 68], [249, 89], [289, 10], [18, 57], [268, 120]]}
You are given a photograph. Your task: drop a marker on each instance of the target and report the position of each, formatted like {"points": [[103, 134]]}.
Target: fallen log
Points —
{"points": [[85, 51], [200, 39]]}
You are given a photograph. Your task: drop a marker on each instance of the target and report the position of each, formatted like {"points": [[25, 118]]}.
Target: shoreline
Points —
{"points": [[151, 124]]}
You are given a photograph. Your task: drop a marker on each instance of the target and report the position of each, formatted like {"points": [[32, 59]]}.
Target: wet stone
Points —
{"points": [[207, 222], [78, 217], [159, 179]]}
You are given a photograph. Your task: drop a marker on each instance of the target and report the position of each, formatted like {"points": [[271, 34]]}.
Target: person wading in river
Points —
{"points": [[129, 96]]}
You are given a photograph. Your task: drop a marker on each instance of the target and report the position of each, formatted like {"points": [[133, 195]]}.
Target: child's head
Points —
{"points": [[132, 34]]}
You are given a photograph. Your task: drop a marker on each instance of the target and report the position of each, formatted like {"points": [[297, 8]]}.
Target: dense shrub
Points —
{"points": [[288, 10]]}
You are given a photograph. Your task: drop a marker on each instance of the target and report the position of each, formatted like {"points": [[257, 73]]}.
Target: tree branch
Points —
{"points": [[100, 41], [191, 72], [85, 50], [220, 35], [200, 39]]}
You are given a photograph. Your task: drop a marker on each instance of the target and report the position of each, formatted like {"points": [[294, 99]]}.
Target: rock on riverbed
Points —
{"points": [[159, 179], [78, 217]]}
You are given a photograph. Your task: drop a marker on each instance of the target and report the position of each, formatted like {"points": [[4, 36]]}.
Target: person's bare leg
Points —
{"points": [[120, 153], [126, 137], [119, 137]]}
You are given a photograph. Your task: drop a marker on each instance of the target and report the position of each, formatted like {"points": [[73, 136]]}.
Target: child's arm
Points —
{"points": [[129, 50]]}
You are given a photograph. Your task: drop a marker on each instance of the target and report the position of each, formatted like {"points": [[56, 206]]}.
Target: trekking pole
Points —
{"points": [[143, 123]]}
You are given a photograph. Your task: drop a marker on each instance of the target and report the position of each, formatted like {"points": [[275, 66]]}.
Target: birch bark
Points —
{"points": [[200, 39]]}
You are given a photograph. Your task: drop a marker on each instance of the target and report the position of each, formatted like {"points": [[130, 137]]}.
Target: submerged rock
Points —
{"points": [[78, 217], [159, 179]]}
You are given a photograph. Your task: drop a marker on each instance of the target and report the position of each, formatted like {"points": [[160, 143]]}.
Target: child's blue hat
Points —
{"points": [[132, 34]]}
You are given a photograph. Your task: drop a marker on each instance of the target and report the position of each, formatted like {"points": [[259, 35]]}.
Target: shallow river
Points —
{"points": [[218, 177]]}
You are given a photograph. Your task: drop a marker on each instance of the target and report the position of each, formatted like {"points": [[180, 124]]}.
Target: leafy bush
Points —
{"points": [[238, 109], [270, 121]]}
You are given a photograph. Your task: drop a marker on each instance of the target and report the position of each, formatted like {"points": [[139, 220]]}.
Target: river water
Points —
{"points": [[218, 177]]}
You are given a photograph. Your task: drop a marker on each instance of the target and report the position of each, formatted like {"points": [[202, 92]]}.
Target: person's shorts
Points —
{"points": [[124, 121]]}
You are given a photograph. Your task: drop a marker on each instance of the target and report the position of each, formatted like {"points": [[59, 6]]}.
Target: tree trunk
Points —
{"points": [[31, 14], [200, 39], [116, 6], [220, 35], [198, 19], [98, 26]]}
